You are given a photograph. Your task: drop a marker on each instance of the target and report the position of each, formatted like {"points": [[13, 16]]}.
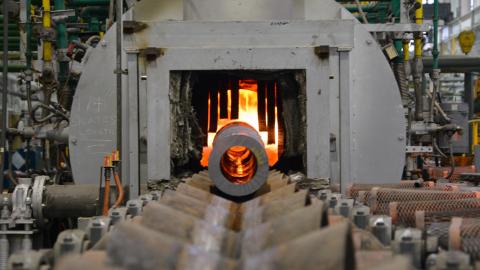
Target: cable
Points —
{"points": [[11, 175], [452, 160], [106, 193], [435, 145], [118, 184], [55, 110]]}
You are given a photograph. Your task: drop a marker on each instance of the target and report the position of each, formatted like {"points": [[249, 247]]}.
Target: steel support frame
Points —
{"points": [[130, 131], [207, 52], [345, 146]]}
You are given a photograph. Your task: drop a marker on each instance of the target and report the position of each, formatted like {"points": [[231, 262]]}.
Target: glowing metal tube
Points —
{"points": [[238, 164]]}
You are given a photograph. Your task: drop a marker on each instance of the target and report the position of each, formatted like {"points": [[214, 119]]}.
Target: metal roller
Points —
{"points": [[238, 164]]}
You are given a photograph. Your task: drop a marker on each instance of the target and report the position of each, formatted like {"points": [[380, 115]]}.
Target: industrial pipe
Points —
{"points": [[118, 73], [47, 45], [453, 64], [418, 65], [63, 201], [4, 93], [238, 164], [64, 93]]}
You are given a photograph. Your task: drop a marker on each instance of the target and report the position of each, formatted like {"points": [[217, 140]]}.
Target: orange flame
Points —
{"points": [[248, 113]]}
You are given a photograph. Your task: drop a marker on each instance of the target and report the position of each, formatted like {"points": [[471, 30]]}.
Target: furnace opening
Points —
{"points": [[272, 102], [250, 101]]}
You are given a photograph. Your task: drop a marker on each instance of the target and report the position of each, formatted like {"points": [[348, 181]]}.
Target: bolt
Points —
{"points": [[74, 141], [368, 41], [407, 238], [96, 223], [68, 238], [380, 224]]}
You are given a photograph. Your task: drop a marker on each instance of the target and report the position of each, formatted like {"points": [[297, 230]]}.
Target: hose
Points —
{"points": [[452, 160], [435, 145], [11, 175], [53, 112], [435, 81], [418, 99], [106, 193], [118, 184], [402, 81]]}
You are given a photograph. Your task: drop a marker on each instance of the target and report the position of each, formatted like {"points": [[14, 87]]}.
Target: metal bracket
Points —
{"points": [[130, 27], [323, 52], [419, 149], [123, 72], [152, 53], [344, 49]]}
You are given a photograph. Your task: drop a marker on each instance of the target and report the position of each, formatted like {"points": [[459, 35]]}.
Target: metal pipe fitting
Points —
{"points": [[238, 164]]}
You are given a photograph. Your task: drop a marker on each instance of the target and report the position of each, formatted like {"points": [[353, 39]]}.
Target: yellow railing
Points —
{"points": [[475, 122], [47, 45]]}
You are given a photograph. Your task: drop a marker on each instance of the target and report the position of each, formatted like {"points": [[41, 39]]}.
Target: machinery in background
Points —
{"points": [[438, 136]]}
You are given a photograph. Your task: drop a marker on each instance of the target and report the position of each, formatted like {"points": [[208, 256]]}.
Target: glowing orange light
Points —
{"points": [[248, 113], [238, 164]]}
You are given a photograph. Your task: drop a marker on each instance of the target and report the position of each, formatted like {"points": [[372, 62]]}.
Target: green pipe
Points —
{"points": [[11, 39], [28, 31], [28, 57], [396, 6], [89, 2], [13, 47], [398, 44], [12, 27], [61, 29], [11, 22], [435, 52], [366, 8], [94, 12], [15, 55], [15, 68], [11, 34]]}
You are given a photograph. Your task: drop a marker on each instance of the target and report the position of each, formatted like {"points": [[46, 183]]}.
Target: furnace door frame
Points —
{"points": [[165, 46], [317, 72]]}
